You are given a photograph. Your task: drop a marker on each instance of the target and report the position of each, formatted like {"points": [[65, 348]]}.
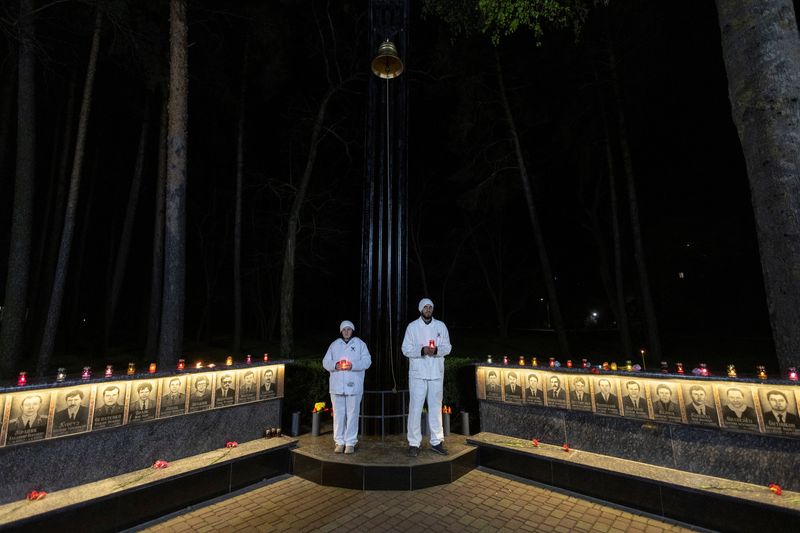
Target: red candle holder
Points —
{"points": [[605, 365], [792, 373], [569, 363], [266, 357], [585, 363], [131, 369], [248, 359], [505, 359], [22, 380], [87, 373], [431, 344], [109, 371], [703, 369], [152, 368], [181, 365], [552, 362], [679, 368]]}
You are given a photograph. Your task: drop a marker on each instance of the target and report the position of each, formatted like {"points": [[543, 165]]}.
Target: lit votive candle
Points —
{"points": [[679, 368], [181, 365], [87, 373], [22, 379], [534, 362], [792, 373], [109, 371], [762, 372], [505, 359], [152, 368], [266, 357], [489, 359], [731, 371], [521, 360], [229, 361], [248, 359], [61, 375], [131, 369]]}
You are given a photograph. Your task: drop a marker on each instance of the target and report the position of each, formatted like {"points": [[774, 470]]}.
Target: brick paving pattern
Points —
{"points": [[478, 501]]}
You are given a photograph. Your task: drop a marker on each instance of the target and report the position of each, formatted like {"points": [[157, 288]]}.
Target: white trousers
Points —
{"points": [[419, 390], [345, 418]]}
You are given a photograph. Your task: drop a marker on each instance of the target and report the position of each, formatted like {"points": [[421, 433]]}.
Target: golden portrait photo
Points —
{"points": [[109, 405], [226, 389], [606, 395], [698, 400], [28, 420], [72, 411], [738, 407], [512, 390], [634, 399], [580, 398], [173, 396], [666, 402], [556, 390], [533, 388], [144, 397], [200, 392], [779, 409], [492, 387], [248, 386], [269, 383]]}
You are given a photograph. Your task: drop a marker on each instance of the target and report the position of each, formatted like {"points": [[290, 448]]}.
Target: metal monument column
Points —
{"points": [[384, 241]]}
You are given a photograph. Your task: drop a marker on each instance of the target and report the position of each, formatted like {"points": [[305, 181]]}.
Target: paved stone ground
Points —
{"points": [[478, 501]]}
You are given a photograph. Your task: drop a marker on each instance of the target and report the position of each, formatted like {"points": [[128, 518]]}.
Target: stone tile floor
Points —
{"points": [[479, 501]]}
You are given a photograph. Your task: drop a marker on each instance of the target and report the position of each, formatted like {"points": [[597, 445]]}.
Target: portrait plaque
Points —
{"points": [[533, 388], [779, 407], [248, 386], [269, 383], [200, 392], [72, 411], [512, 390], [556, 395], [109, 406], [493, 389], [634, 399], [580, 398], [738, 407], [698, 400], [28, 420], [5, 408], [173, 396], [606, 395], [666, 403], [144, 397], [226, 389]]}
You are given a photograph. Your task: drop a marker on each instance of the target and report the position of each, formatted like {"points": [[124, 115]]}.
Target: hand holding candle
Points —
{"points": [[344, 364]]}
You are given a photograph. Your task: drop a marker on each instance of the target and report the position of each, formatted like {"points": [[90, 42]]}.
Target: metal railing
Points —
{"points": [[383, 417]]}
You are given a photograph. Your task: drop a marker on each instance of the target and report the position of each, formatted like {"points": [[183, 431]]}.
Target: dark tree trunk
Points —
{"points": [[172, 309], [544, 259], [127, 227], [761, 48], [16, 294], [633, 206], [157, 262], [6, 121], [237, 225], [57, 294], [287, 275]]}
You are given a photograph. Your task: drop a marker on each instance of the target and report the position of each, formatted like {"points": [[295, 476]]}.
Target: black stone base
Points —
{"points": [[686, 504], [147, 502], [381, 465]]}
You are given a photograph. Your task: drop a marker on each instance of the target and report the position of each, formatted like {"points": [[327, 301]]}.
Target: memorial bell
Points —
{"points": [[387, 64]]}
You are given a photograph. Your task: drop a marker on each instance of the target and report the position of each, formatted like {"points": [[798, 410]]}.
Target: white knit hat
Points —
{"points": [[424, 302], [346, 324]]}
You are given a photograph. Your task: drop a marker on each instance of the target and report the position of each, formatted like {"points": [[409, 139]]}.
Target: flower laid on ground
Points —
{"points": [[776, 489], [36, 495], [232, 444], [160, 464], [565, 447], [535, 443]]}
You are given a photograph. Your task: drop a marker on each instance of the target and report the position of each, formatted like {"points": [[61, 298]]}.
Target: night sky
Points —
{"points": [[693, 192]]}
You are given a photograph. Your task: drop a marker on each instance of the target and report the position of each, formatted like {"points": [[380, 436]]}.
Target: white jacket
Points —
{"points": [[347, 382], [418, 335]]}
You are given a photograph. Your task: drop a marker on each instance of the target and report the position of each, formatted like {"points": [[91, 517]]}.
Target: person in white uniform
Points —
{"points": [[426, 344], [347, 359]]}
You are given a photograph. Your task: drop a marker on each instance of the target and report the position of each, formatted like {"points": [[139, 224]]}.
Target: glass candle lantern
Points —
{"points": [[266, 357], [521, 360], [198, 364], [87, 373], [792, 373], [552, 362], [489, 359], [534, 361], [679, 368], [248, 359], [613, 366], [229, 361], [22, 379], [152, 368], [585, 363], [505, 359], [664, 367], [569, 363], [703, 369], [109, 371], [761, 372], [61, 375], [629, 365], [181, 365], [731, 371]]}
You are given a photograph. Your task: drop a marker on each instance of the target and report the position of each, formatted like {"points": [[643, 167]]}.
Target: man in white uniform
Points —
{"points": [[426, 344], [346, 359]]}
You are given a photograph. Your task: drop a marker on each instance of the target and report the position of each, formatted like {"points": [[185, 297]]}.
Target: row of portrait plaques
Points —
{"points": [[35, 414], [757, 408]]}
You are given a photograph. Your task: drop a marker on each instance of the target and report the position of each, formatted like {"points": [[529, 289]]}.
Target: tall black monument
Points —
{"points": [[384, 241]]}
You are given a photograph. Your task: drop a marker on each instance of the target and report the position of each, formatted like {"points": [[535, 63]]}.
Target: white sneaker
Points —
{"points": [[339, 448], [349, 450]]}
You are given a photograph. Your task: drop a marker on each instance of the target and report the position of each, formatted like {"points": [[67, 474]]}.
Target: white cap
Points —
{"points": [[424, 302], [346, 324]]}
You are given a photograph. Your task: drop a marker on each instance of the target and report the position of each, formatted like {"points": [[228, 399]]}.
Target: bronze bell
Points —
{"points": [[387, 64]]}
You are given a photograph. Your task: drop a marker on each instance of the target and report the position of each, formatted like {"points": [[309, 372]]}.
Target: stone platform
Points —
{"points": [[381, 465], [707, 501]]}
